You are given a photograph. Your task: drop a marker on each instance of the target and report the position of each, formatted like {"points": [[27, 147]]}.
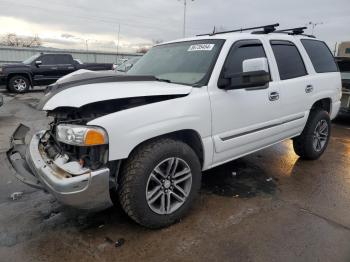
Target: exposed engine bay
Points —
{"points": [[91, 157]]}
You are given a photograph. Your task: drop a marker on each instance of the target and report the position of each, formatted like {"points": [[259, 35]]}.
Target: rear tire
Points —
{"points": [[151, 191], [314, 139], [18, 84]]}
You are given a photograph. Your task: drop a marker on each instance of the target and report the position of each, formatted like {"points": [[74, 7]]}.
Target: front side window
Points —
{"points": [[240, 51], [187, 63], [48, 60], [320, 55], [289, 61]]}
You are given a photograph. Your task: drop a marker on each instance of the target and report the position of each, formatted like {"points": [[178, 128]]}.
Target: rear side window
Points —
{"points": [[289, 61], [240, 51], [320, 55], [63, 59]]}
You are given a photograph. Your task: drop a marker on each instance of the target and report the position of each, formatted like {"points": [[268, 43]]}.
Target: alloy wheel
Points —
{"points": [[320, 135], [169, 186], [20, 84]]}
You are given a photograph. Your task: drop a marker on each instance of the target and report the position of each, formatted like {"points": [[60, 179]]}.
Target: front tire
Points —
{"points": [[18, 84], [159, 182], [314, 139]]}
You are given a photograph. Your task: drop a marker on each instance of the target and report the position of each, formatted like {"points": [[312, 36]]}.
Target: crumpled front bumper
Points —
{"points": [[88, 191]]}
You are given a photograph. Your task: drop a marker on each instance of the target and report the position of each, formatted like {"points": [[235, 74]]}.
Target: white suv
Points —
{"points": [[185, 107]]}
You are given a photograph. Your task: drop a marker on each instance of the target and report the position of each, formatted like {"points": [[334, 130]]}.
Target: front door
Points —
{"points": [[47, 72], [243, 120]]}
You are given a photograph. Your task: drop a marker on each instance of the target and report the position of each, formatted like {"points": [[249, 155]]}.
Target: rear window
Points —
{"points": [[320, 55], [289, 61]]}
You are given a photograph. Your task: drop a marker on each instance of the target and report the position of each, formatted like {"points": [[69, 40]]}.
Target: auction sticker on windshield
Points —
{"points": [[201, 47]]}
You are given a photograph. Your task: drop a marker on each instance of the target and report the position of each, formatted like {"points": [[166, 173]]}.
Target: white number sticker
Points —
{"points": [[201, 47]]}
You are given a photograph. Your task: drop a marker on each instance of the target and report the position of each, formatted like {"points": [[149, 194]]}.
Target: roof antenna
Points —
{"points": [[214, 31]]}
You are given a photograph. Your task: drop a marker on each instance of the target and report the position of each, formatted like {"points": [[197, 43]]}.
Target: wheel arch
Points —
{"points": [[26, 75], [324, 103], [189, 136]]}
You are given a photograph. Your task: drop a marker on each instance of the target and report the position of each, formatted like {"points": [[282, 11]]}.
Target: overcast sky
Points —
{"points": [[68, 24]]}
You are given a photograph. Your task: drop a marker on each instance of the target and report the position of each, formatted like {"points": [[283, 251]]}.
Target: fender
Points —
{"points": [[128, 128]]}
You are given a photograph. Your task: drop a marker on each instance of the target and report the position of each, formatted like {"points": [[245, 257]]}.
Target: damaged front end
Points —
{"points": [[78, 176]]}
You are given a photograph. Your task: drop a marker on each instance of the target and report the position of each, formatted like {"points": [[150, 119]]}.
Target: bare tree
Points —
{"points": [[12, 39], [142, 50]]}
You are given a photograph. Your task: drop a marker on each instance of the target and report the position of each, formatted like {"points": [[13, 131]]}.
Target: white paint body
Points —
{"points": [[213, 113]]}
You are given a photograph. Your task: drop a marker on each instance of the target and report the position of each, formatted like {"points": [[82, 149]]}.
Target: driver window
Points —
{"points": [[241, 51], [47, 60]]}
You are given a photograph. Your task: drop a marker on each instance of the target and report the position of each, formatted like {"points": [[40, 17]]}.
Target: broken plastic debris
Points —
{"points": [[16, 195], [269, 179], [119, 242], [101, 226], [234, 173]]}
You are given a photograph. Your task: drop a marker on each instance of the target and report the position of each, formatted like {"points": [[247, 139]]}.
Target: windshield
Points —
{"points": [[31, 59], [131, 61], [183, 62]]}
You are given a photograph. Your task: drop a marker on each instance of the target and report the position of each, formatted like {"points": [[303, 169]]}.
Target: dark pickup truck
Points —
{"points": [[42, 69]]}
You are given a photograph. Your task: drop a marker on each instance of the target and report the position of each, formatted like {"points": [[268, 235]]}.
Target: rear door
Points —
{"points": [[295, 85], [65, 64]]}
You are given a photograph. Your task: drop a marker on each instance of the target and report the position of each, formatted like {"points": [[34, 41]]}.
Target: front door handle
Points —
{"points": [[309, 89], [273, 96]]}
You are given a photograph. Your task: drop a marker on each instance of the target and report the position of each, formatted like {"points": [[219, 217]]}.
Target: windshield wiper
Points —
{"points": [[162, 80]]}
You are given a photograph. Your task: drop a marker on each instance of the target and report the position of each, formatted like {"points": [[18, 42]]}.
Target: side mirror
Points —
{"points": [[38, 63], [255, 75], [128, 67]]}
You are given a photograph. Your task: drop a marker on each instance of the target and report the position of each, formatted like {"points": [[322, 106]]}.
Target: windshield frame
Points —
{"points": [[205, 79]]}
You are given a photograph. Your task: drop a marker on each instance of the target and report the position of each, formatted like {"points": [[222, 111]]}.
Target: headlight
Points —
{"points": [[81, 135], [0, 70]]}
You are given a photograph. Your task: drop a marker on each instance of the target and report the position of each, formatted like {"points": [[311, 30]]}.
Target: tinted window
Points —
{"points": [[63, 59], [344, 65], [347, 51], [47, 60], [320, 55], [289, 61], [241, 51]]}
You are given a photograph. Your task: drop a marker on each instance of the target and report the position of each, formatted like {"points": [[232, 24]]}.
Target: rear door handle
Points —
{"points": [[273, 96], [54, 68], [309, 89]]}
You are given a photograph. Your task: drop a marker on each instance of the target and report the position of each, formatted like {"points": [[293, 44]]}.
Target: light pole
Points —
{"points": [[313, 25], [185, 10], [118, 38]]}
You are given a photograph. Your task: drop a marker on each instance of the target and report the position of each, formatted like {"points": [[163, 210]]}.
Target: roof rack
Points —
{"points": [[295, 31], [266, 29]]}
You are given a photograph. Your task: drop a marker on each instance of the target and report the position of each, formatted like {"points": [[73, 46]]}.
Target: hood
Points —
{"points": [[90, 87], [5, 66], [69, 76]]}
